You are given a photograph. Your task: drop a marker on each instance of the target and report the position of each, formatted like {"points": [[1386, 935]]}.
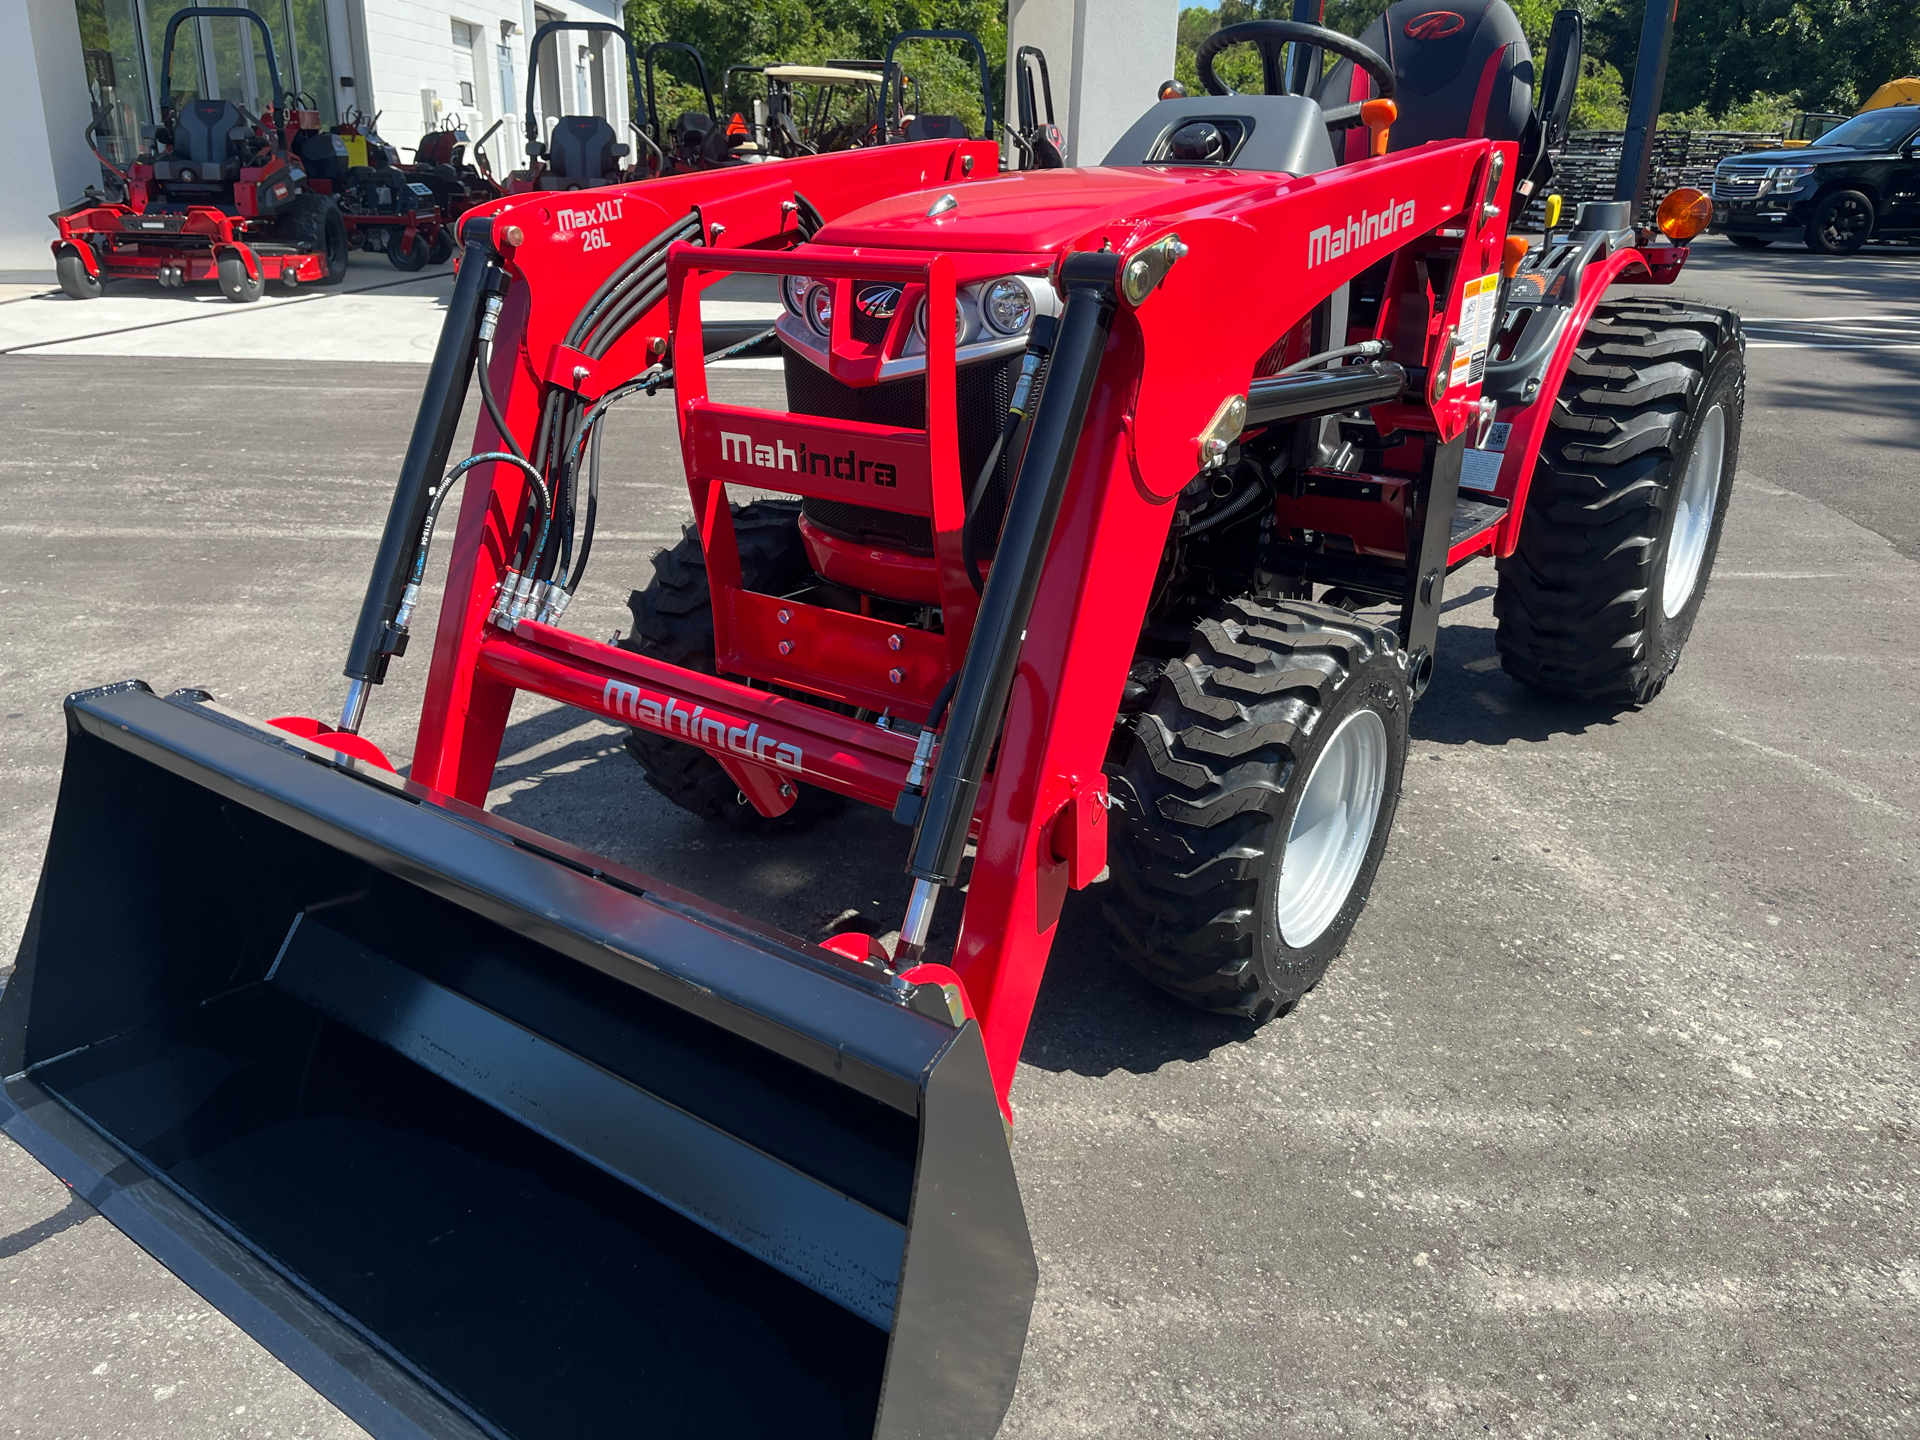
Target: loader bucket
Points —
{"points": [[483, 1135]]}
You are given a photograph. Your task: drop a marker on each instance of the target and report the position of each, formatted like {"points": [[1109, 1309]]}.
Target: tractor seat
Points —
{"points": [[1463, 72], [203, 143], [936, 127], [581, 151]]}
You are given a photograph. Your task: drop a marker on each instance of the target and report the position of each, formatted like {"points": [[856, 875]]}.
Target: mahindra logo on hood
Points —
{"points": [[1435, 25], [878, 302]]}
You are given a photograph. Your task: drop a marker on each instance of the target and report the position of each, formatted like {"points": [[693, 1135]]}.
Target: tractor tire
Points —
{"points": [[1840, 224], [74, 279], [1254, 801], [1751, 242], [315, 224], [407, 254], [442, 250], [1624, 516], [236, 284], [673, 621]]}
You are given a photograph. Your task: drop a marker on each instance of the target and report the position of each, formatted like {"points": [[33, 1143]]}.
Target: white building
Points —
{"points": [[415, 64]]}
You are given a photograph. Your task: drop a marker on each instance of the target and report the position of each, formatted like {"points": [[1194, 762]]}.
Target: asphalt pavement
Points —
{"points": [[1606, 1123]]}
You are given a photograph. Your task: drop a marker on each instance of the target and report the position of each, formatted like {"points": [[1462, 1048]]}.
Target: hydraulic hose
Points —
{"points": [[993, 654], [1032, 371], [375, 637], [411, 595]]}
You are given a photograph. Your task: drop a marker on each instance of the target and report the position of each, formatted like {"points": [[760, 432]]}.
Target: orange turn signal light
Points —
{"points": [[1512, 253], [1173, 90], [1378, 116], [1684, 214]]}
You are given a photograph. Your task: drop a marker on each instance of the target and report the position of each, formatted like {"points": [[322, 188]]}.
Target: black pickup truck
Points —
{"points": [[1859, 181]]}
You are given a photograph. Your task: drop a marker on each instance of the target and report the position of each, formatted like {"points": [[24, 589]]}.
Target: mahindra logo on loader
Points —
{"points": [[745, 450], [697, 727], [603, 213], [1330, 242]]}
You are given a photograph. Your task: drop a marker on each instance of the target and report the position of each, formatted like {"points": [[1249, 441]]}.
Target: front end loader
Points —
{"points": [[1102, 540]]}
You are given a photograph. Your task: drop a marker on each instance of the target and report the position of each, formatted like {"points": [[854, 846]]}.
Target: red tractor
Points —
{"points": [[1103, 540], [223, 197]]}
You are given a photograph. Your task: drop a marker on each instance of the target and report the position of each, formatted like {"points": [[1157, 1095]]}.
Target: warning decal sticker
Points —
{"points": [[1477, 307]]}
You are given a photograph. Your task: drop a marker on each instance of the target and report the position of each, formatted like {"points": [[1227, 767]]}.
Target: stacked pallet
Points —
{"points": [[1585, 167]]}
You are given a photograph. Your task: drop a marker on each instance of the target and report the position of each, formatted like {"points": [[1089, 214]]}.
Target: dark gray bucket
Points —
{"points": [[485, 1136]]}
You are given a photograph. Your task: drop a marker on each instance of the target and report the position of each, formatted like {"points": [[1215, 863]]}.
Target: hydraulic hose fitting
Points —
{"points": [[409, 597], [554, 605], [490, 318], [503, 599], [521, 600], [906, 807]]}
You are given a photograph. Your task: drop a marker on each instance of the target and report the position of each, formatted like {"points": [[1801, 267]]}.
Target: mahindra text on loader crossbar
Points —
{"points": [[1103, 540]]}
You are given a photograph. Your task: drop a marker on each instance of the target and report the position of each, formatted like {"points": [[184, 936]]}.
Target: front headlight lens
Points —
{"points": [[959, 322], [820, 310], [1008, 306], [793, 292], [1789, 175]]}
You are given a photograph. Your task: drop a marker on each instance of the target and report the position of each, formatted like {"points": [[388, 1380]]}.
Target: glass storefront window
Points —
{"points": [[314, 54], [116, 75]]}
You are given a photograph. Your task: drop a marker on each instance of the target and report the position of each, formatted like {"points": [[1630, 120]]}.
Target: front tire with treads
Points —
{"points": [[1628, 499], [1254, 802], [673, 621]]}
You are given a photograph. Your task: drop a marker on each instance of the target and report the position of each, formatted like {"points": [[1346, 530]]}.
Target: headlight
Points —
{"points": [[793, 290], [820, 310], [1008, 306], [1788, 176], [959, 322]]}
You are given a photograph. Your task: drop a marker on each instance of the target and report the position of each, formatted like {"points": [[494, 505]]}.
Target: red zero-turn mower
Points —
{"points": [[225, 199], [1096, 469]]}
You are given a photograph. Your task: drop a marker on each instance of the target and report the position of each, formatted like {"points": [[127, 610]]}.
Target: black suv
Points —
{"points": [[1857, 182]]}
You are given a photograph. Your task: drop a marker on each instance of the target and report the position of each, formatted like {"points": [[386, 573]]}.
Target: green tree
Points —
{"points": [[765, 32]]}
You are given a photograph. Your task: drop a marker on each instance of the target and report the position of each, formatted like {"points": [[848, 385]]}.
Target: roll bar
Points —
{"points": [[533, 62], [212, 12], [888, 72]]}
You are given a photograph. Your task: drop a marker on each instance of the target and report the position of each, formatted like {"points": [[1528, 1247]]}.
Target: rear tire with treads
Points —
{"points": [[673, 621], [1271, 699], [1622, 521]]}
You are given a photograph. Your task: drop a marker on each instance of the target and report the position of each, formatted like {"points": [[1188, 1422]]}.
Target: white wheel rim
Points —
{"points": [[1332, 828], [1693, 513]]}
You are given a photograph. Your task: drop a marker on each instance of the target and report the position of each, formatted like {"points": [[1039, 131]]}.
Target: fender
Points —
{"points": [[1529, 419]]}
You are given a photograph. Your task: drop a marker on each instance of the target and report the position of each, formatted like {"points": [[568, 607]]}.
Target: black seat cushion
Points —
{"points": [[936, 127], [581, 148], [203, 142], [1462, 71]]}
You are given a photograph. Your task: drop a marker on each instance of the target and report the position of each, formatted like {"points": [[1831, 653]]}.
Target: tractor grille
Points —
{"points": [[983, 393], [867, 329]]}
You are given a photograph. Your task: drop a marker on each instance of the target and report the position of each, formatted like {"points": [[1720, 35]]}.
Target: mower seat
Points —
{"points": [[1461, 73], [936, 127], [581, 153], [203, 143]]}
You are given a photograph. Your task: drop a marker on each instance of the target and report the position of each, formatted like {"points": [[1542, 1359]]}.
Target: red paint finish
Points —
{"points": [[1263, 250]]}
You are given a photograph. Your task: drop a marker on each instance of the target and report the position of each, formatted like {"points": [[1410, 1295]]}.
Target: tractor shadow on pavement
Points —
{"points": [[1473, 702], [566, 774]]}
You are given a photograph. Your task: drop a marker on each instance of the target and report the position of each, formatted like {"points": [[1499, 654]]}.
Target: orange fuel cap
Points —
{"points": [[1378, 116]]}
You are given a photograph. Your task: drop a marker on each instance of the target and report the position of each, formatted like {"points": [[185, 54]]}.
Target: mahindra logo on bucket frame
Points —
{"points": [[697, 727], [745, 450], [878, 302], [1330, 242], [1435, 25]]}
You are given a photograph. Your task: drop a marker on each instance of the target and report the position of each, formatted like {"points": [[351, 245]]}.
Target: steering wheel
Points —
{"points": [[1270, 35]]}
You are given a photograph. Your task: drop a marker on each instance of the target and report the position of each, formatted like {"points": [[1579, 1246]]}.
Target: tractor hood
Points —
{"points": [[1041, 210]]}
